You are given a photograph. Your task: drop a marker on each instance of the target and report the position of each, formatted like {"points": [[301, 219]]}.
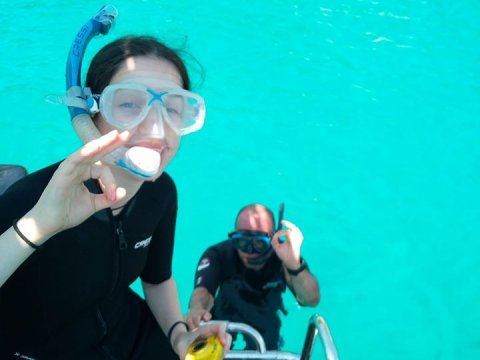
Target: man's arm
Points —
{"points": [[207, 279], [299, 279], [304, 286], [199, 307]]}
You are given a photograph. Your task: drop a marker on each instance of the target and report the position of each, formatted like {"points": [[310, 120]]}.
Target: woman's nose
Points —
{"points": [[154, 123]]}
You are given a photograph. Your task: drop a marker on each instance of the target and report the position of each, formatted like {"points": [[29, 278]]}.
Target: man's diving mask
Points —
{"points": [[256, 241], [250, 242], [126, 105]]}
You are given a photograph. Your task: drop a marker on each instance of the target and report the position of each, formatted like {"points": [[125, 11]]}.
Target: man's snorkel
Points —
{"points": [[262, 258], [140, 161]]}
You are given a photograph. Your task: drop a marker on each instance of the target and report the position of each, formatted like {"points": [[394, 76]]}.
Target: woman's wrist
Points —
{"points": [[27, 228], [177, 341], [42, 224], [174, 333]]}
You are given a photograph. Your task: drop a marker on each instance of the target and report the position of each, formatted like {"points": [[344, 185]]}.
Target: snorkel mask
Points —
{"points": [[250, 242], [182, 110], [256, 242], [127, 105]]}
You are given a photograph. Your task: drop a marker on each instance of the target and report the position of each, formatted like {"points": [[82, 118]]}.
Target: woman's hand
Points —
{"points": [[289, 250], [218, 329], [66, 202]]}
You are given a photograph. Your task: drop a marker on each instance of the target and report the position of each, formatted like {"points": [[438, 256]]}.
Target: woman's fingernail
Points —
{"points": [[124, 135]]}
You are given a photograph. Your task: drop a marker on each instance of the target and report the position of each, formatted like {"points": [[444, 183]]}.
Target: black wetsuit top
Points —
{"points": [[71, 298], [244, 295]]}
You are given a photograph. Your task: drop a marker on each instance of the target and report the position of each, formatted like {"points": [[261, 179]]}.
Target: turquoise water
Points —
{"points": [[362, 116]]}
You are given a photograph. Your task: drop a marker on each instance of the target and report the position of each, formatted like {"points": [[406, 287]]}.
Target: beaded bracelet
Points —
{"points": [[23, 237]]}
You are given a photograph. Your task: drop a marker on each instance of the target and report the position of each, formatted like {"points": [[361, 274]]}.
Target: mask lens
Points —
{"points": [[124, 108], [250, 243], [260, 245], [243, 244], [185, 113], [126, 105]]}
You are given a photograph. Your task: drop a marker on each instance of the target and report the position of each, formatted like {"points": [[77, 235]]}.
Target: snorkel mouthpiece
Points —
{"points": [[139, 157], [142, 162]]}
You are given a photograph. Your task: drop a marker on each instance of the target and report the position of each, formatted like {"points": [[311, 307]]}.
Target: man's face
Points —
{"points": [[256, 219]]}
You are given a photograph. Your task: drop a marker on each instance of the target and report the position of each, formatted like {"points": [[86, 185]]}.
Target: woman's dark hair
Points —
{"points": [[112, 56]]}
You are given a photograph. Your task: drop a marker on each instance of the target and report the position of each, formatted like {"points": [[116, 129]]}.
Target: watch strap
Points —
{"points": [[303, 266]]}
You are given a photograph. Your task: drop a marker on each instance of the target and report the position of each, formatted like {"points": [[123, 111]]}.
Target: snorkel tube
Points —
{"points": [[140, 161]]}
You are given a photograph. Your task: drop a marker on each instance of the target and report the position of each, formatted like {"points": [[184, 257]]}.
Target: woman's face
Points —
{"points": [[153, 132]]}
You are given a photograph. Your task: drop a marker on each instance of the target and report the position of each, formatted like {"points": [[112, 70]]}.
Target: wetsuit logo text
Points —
{"points": [[143, 243]]}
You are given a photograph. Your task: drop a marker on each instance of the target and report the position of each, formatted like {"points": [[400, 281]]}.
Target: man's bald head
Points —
{"points": [[255, 217]]}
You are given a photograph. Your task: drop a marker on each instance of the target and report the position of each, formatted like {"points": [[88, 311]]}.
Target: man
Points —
{"points": [[252, 269]]}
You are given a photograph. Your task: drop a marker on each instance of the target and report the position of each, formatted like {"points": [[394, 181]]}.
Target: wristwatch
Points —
{"points": [[303, 266]]}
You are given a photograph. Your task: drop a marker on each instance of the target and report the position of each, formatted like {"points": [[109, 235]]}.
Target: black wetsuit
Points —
{"points": [[71, 298], [244, 295]]}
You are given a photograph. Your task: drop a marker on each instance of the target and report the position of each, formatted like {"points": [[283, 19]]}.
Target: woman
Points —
{"points": [[84, 230]]}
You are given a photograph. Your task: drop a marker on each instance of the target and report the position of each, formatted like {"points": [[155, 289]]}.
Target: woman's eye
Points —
{"points": [[129, 105], [174, 105], [173, 111]]}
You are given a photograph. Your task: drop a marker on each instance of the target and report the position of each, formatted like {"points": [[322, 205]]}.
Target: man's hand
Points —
{"points": [[195, 315], [288, 251], [201, 303]]}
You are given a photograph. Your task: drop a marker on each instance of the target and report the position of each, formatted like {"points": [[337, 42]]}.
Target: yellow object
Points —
{"points": [[205, 349]]}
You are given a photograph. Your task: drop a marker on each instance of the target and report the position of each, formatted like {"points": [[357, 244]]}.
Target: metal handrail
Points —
{"points": [[253, 333], [317, 324], [261, 351], [255, 355]]}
